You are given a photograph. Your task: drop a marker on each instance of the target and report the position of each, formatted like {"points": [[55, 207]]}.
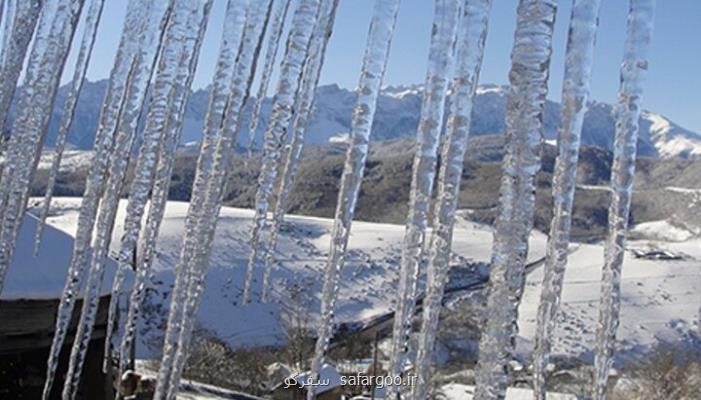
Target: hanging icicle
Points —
{"points": [[20, 22], [122, 95], [176, 71], [575, 92], [165, 17], [49, 52], [92, 20], [277, 24], [303, 106], [9, 16], [528, 77], [272, 147], [445, 28], [633, 71], [371, 75], [202, 216], [231, 35], [470, 43]]}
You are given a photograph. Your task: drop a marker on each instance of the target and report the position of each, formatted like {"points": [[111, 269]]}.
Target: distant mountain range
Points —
{"points": [[397, 117]]}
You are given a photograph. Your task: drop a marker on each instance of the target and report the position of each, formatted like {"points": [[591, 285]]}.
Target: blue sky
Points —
{"points": [[673, 86]]}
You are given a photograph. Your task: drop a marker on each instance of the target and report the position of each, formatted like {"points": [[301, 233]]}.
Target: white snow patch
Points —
{"points": [[661, 230], [458, 391], [72, 160], [341, 138]]}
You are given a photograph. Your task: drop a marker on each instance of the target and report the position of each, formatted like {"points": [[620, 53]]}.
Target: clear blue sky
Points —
{"points": [[673, 86]]}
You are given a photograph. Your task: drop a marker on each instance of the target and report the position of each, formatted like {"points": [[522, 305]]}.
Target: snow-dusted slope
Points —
{"points": [[660, 298], [668, 138], [367, 281], [397, 116]]}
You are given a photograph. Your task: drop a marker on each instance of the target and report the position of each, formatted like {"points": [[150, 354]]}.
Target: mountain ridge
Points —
{"points": [[397, 116]]}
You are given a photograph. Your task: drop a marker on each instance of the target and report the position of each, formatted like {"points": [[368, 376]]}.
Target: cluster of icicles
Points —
{"points": [[150, 82]]}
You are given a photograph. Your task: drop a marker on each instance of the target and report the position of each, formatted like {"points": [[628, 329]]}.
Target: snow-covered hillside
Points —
{"points": [[398, 110], [660, 299]]}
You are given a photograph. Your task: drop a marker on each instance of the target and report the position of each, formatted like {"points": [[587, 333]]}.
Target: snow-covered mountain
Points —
{"points": [[397, 116]]}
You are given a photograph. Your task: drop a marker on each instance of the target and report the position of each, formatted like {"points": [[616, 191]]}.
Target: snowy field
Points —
{"points": [[660, 298]]}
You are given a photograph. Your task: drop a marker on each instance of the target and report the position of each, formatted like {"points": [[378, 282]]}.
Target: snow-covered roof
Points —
{"points": [[42, 276]]}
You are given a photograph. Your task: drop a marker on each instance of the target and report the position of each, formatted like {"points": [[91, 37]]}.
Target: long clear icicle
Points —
{"points": [[164, 123], [303, 104], [20, 23], [277, 24], [470, 43], [4, 5], [202, 215], [92, 20], [9, 15], [118, 91], [633, 71], [371, 75], [305, 108], [445, 27], [49, 52], [159, 18], [575, 92], [530, 61], [231, 35], [273, 141]]}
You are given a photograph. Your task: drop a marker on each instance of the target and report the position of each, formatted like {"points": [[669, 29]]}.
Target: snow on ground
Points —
{"points": [[661, 230], [660, 298], [458, 391]]}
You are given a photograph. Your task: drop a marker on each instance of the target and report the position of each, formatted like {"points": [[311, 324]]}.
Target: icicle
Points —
{"points": [[20, 23], [273, 141], [278, 23], [91, 22], [371, 75], [445, 27], [152, 37], [172, 85], [202, 215], [530, 61], [633, 71], [123, 74], [44, 67], [3, 5], [303, 105], [9, 16], [470, 46], [575, 91], [231, 34]]}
